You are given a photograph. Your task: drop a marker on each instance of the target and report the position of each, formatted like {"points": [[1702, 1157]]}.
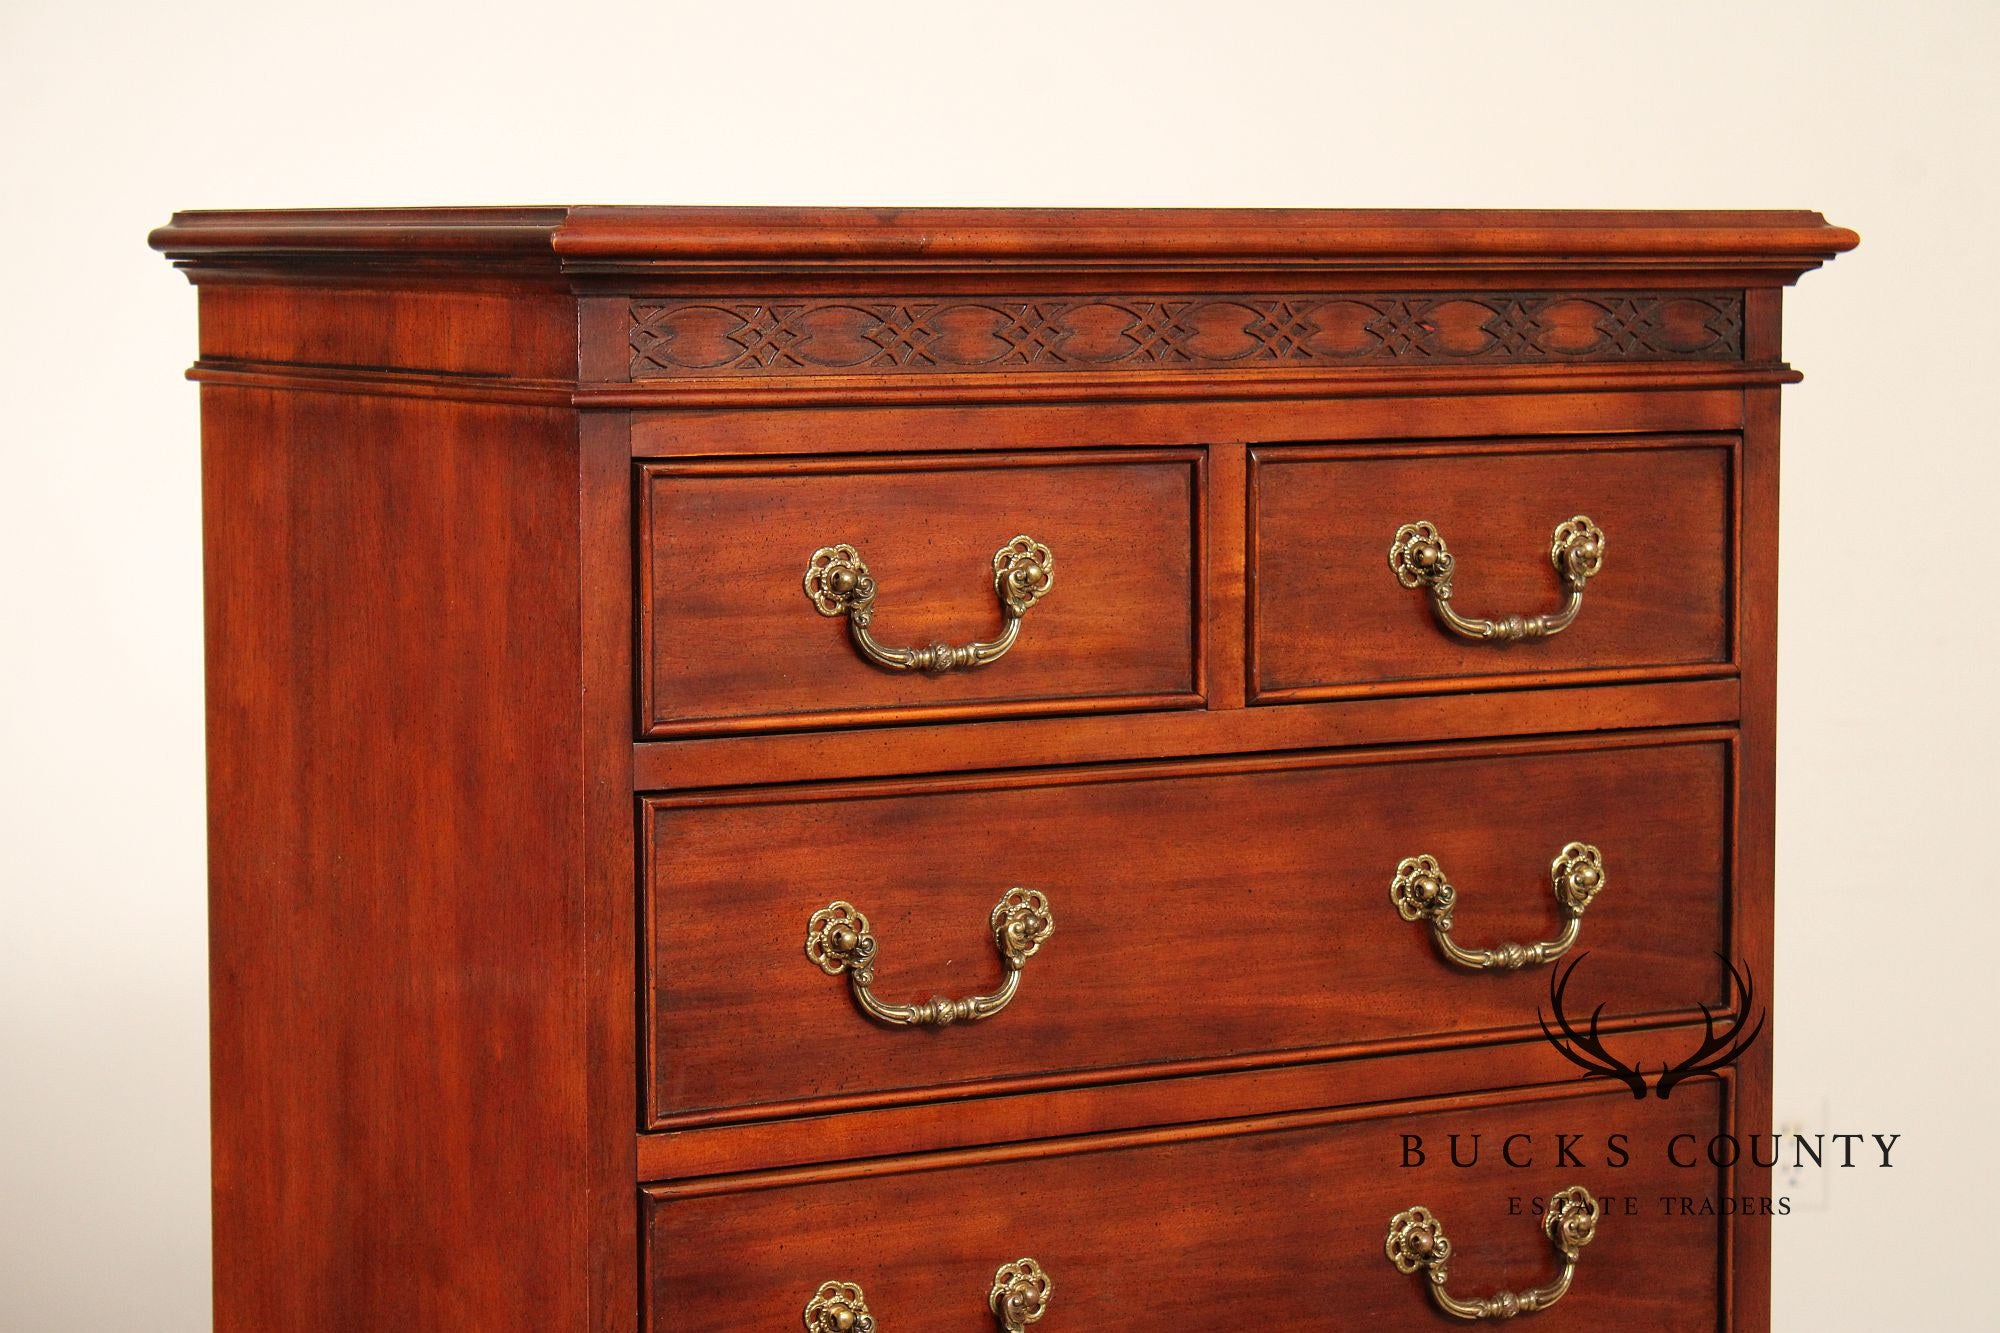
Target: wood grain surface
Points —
{"points": [[395, 849], [1228, 1227], [731, 642], [1331, 617], [1205, 910]]}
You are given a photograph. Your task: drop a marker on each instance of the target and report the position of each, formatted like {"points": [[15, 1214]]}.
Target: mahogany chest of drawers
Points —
{"points": [[945, 770]]}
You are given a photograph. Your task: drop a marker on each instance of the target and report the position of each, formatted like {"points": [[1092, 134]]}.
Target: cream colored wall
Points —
{"points": [[115, 113]]}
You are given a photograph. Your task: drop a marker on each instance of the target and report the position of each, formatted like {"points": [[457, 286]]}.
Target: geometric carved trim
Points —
{"points": [[916, 335]]}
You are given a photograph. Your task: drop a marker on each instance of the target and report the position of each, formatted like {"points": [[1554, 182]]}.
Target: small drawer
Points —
{"points": [[1205, 913], [1500, 536], [789, 594], [1281, 1224]]}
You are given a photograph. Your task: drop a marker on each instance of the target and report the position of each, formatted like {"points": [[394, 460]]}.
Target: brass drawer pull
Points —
{"points": [[838, 940], [839, 1307], [1420, 558], [1416, 1240], [1020, 1297], [839, 583], [1021, 1294], [1421, 892]]}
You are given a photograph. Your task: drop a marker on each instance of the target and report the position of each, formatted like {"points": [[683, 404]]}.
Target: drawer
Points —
{"points": [[1331, 618], [1279, 1223], [1222, 912], [732, 639]]}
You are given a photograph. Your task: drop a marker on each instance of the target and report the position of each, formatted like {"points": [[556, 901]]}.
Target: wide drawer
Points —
{"points": [[1331, 616], [1206, 912], [734, 636], [1280, 1224]]}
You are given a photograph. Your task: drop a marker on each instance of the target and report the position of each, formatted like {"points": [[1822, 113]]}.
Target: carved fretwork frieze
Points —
{"points": [[969, 335]]}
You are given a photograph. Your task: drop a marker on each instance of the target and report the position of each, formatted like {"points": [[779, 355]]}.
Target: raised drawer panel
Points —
{"points": [[730, 642], [1224, 1227], [1330, 618], [1205, 911]]}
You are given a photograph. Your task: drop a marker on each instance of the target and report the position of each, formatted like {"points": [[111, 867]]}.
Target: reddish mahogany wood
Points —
{"points": [[1228, 582], [1260, 1084], [731, 761], [437, 625], [1179, 937], [604, 523], [780, 240], [1453, 411], [732, 643], [1277, 1223], [492, 333], [1749, 1267], [396, 842], [1331, 617], [1050, 334], [1147, 387]]}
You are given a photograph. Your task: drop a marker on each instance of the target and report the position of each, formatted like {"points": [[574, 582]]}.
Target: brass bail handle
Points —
{"points": [[1420, 892], [1020, 1296], [839, 940], [1420, 559], [1417, 1241], [838, 583]]}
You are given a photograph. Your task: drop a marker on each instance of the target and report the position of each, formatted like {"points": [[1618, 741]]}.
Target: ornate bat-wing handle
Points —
{"points": [[1020, 1296], [1421, 892], [1417, 1241], [838, 940], [1420, 559], [838, 583]]}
